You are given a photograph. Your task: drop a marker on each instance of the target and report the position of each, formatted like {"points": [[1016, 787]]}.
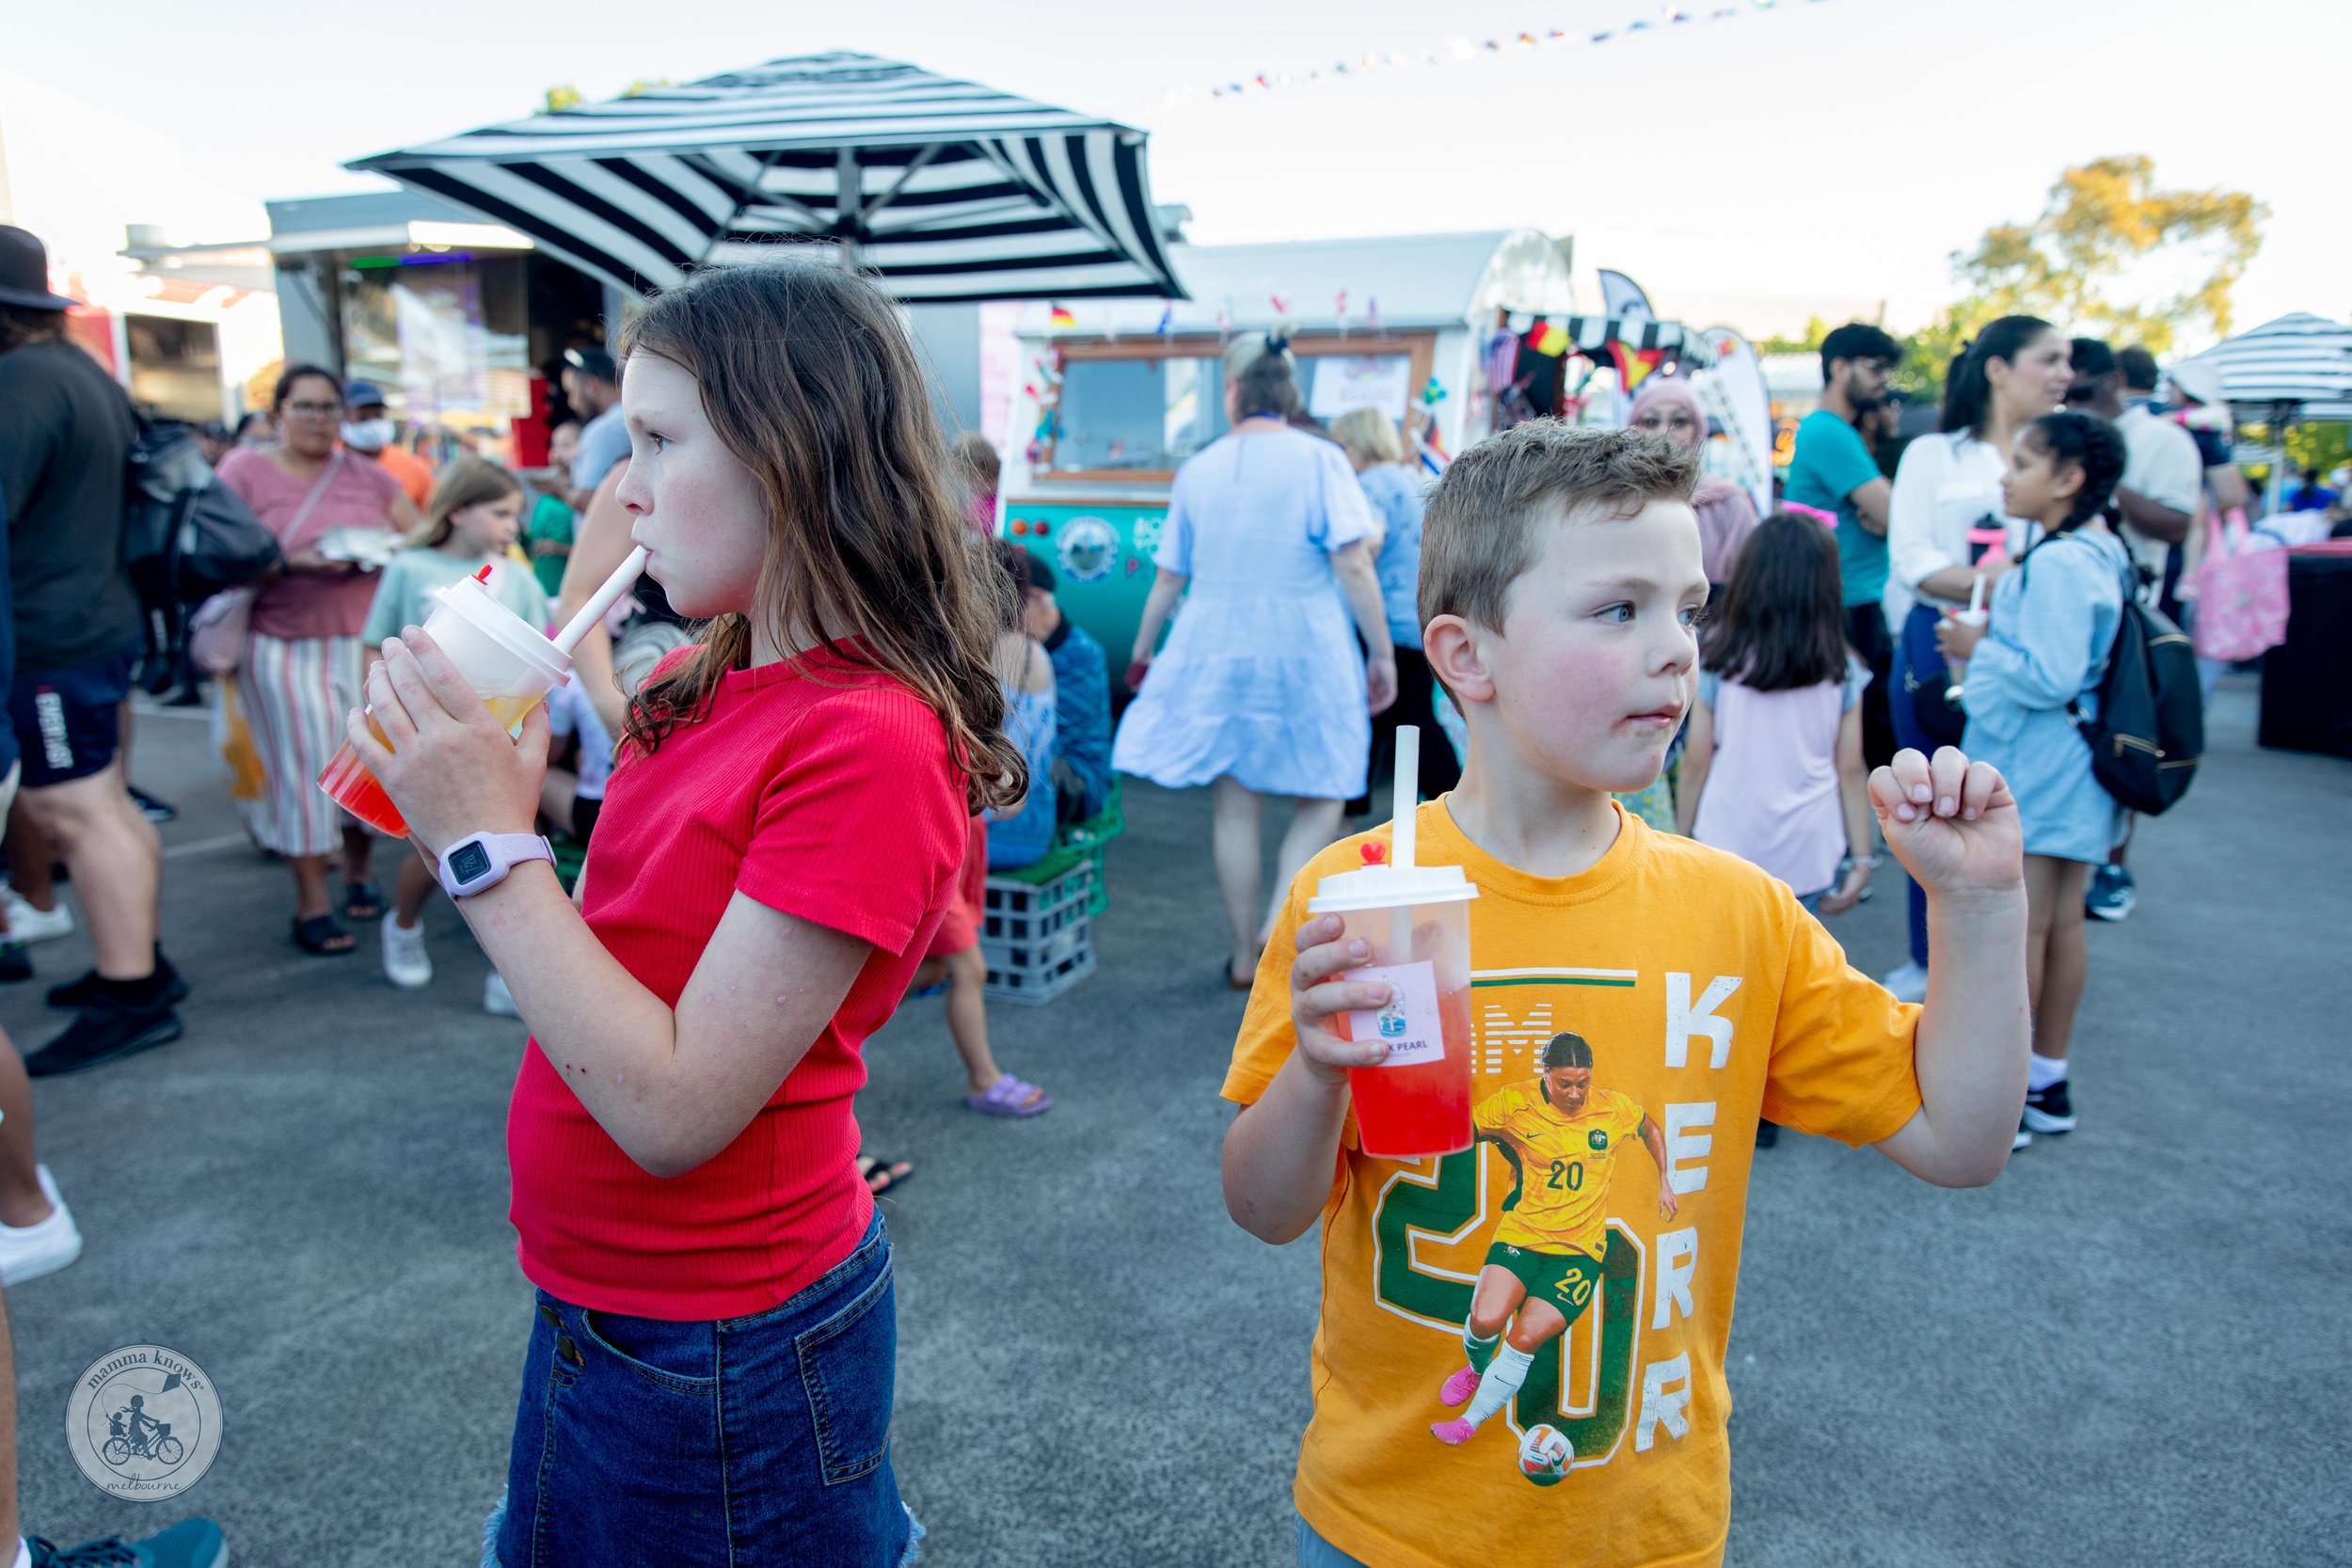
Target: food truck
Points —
{"points": [[1477, 331]]}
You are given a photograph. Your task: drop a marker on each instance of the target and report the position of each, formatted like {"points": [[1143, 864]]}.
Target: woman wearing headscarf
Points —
{"points": [[1669, 406], [1260, 690]]}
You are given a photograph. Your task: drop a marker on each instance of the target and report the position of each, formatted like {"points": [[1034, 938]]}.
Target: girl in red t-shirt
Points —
{"points": [[710, 1370]]}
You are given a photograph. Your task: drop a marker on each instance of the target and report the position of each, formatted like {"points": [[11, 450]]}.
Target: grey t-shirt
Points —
{"points": [[603, 441]]}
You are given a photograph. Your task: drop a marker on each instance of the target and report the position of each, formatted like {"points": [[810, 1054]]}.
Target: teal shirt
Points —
{"points": [[403, 595], [1830, 465]]}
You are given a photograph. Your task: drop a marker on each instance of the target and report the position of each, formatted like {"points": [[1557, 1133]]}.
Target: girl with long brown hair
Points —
{"points": [[710, 1368]]}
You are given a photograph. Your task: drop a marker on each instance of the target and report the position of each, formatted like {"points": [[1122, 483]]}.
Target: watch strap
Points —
{"points": [[503, 853]]}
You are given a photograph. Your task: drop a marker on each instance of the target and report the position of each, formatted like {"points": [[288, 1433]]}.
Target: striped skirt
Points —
{"points": [[296, 691]]}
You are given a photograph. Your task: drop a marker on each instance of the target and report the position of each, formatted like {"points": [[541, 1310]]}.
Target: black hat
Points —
{"points": [[593, 362], [24, 273]]}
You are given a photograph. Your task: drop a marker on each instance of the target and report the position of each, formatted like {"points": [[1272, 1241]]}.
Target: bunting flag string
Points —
{"points": [[1458, 51]]}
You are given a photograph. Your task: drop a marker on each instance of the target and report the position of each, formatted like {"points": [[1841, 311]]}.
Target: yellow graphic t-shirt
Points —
{"points": [[1564, 1165], [1706, 998]]}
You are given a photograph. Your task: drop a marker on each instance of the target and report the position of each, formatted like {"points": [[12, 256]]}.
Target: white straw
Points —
{"points": [[623, 578], [1408, 796], [1975, 595]]}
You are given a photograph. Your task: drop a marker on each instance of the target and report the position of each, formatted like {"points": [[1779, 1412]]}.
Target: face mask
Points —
{"points": [[369, 434]]}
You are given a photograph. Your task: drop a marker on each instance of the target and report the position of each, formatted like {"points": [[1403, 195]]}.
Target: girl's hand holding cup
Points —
{"points": [[1317, 995], [452, 770]]}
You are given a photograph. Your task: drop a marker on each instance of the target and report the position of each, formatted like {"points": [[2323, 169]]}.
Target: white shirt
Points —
{"points": [[2161, 463], [1944, 485]]}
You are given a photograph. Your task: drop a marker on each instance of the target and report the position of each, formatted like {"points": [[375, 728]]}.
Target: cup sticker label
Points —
{"points": [[1409, 1022]]}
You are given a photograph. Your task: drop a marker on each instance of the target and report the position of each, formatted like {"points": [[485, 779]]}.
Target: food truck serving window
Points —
{"points": [[1137, 415]]}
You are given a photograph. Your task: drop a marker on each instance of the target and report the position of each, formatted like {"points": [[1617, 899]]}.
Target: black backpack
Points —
{"points": [[2150, 730], [186, 535]]}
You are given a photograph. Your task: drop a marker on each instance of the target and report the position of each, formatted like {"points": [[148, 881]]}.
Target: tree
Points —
{"points": [[2102, 220], [560, 98], [1815, 330]]}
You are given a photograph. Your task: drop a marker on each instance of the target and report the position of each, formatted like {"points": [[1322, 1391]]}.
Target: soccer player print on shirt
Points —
{"points": [[1563, 1135]]}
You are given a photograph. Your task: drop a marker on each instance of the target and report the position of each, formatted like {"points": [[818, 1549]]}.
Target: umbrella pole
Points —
{"points": [[848, 205]]}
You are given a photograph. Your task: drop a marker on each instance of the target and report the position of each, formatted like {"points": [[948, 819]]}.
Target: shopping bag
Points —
{"points": [[232, 743], [2241, 593]]}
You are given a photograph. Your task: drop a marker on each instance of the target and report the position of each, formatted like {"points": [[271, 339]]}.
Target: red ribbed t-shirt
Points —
{"points": [[817, 787]]}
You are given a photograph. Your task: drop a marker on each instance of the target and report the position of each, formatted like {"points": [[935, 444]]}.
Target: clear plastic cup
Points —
{"points": [[508, 661], [1415, 920]]}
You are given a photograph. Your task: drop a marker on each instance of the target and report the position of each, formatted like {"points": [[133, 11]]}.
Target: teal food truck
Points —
{"points": [[1110, 396]]}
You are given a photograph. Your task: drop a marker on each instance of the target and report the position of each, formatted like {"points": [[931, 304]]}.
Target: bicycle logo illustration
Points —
{"points": [[143, 1423]]}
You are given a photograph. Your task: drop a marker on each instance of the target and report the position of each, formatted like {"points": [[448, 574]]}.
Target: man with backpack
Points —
{"points": [[63, 468]]}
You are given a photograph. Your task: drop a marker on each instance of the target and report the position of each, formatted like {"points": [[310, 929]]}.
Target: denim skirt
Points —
{"points": [[763, 1439]]}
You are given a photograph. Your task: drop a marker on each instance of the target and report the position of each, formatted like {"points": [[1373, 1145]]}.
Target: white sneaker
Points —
{"points": [[28, 1252], [497, 999], [405, 962], [1909, 983], [27, 924]]}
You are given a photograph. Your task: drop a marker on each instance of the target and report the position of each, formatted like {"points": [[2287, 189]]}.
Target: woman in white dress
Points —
{"points": [[1262, 690]]}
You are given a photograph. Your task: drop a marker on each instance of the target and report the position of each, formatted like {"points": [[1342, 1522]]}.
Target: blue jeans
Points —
{"points": [[1315, 1552], [1914, 648], [642, 1443]]}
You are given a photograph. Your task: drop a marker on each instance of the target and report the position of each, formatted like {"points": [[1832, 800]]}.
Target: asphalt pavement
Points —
{"points": [[2131, 1349]]}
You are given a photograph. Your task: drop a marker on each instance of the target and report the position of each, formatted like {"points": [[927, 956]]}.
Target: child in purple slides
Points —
{"points": [[956, 962]]}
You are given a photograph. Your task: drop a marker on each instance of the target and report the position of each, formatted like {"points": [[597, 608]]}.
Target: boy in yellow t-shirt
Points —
{"points": [[1520, 1357]]}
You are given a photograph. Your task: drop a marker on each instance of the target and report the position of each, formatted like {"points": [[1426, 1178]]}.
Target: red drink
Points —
{"points": [[1404, 1113], [350, 785]]}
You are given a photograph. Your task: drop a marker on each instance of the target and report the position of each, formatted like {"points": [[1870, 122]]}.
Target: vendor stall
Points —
{"points": [[1113, 395]]}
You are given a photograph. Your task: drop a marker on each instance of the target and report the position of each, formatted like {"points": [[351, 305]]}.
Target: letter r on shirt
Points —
{"points": [[1684, 1019], [1661, 1406], [1677, 1261]]}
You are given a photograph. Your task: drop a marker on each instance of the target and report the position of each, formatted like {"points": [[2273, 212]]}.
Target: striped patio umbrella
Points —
{"points": [[947, 190], [2302, 358]]}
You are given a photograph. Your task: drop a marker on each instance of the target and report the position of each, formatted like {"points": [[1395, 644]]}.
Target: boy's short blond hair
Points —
{"points": [[1478, 535]]}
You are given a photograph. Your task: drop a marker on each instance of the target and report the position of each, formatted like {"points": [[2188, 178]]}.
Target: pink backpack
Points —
{"points": [[2241, 593]]}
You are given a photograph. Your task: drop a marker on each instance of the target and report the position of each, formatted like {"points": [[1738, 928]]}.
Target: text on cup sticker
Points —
{"points": [[1410, 1024]]}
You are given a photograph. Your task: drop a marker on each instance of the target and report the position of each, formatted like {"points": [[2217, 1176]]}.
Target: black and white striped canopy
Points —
{"points": [[949, 191], [2300, 358]]}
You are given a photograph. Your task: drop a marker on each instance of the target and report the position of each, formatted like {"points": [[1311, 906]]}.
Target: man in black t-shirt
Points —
{"points": [[63, 468]]}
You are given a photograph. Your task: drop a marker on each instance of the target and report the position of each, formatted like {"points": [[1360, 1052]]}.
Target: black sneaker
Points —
{"points": [[82, 990], [103, 1030], [2049, 1110], [16, 965], [149, 807]]}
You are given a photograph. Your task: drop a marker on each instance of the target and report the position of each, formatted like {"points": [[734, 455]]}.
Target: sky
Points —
{"points": [[1822, 149]]}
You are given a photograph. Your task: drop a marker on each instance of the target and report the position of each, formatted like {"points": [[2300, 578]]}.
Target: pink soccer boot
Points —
{"points": [[1459, 1387], [1452, 1433]]}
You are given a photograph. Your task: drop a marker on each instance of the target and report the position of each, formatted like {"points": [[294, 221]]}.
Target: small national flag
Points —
{"points": [[1548, 338], [1062, 317], [1635, 364], [1167, 321]]}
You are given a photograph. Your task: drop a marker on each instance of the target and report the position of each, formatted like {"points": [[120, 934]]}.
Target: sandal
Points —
{"points": [[318, 934], [893, 1173], [1009, 1097], [362, 902]]}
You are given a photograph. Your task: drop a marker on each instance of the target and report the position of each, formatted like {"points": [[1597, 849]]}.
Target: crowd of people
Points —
{"points": [[835, 703]]}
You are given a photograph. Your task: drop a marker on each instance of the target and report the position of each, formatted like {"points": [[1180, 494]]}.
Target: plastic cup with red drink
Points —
{"points": [[511, 664], [1414, 919]]}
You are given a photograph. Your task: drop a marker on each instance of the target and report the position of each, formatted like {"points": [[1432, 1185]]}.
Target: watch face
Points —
{"points": [[469, 862]]}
